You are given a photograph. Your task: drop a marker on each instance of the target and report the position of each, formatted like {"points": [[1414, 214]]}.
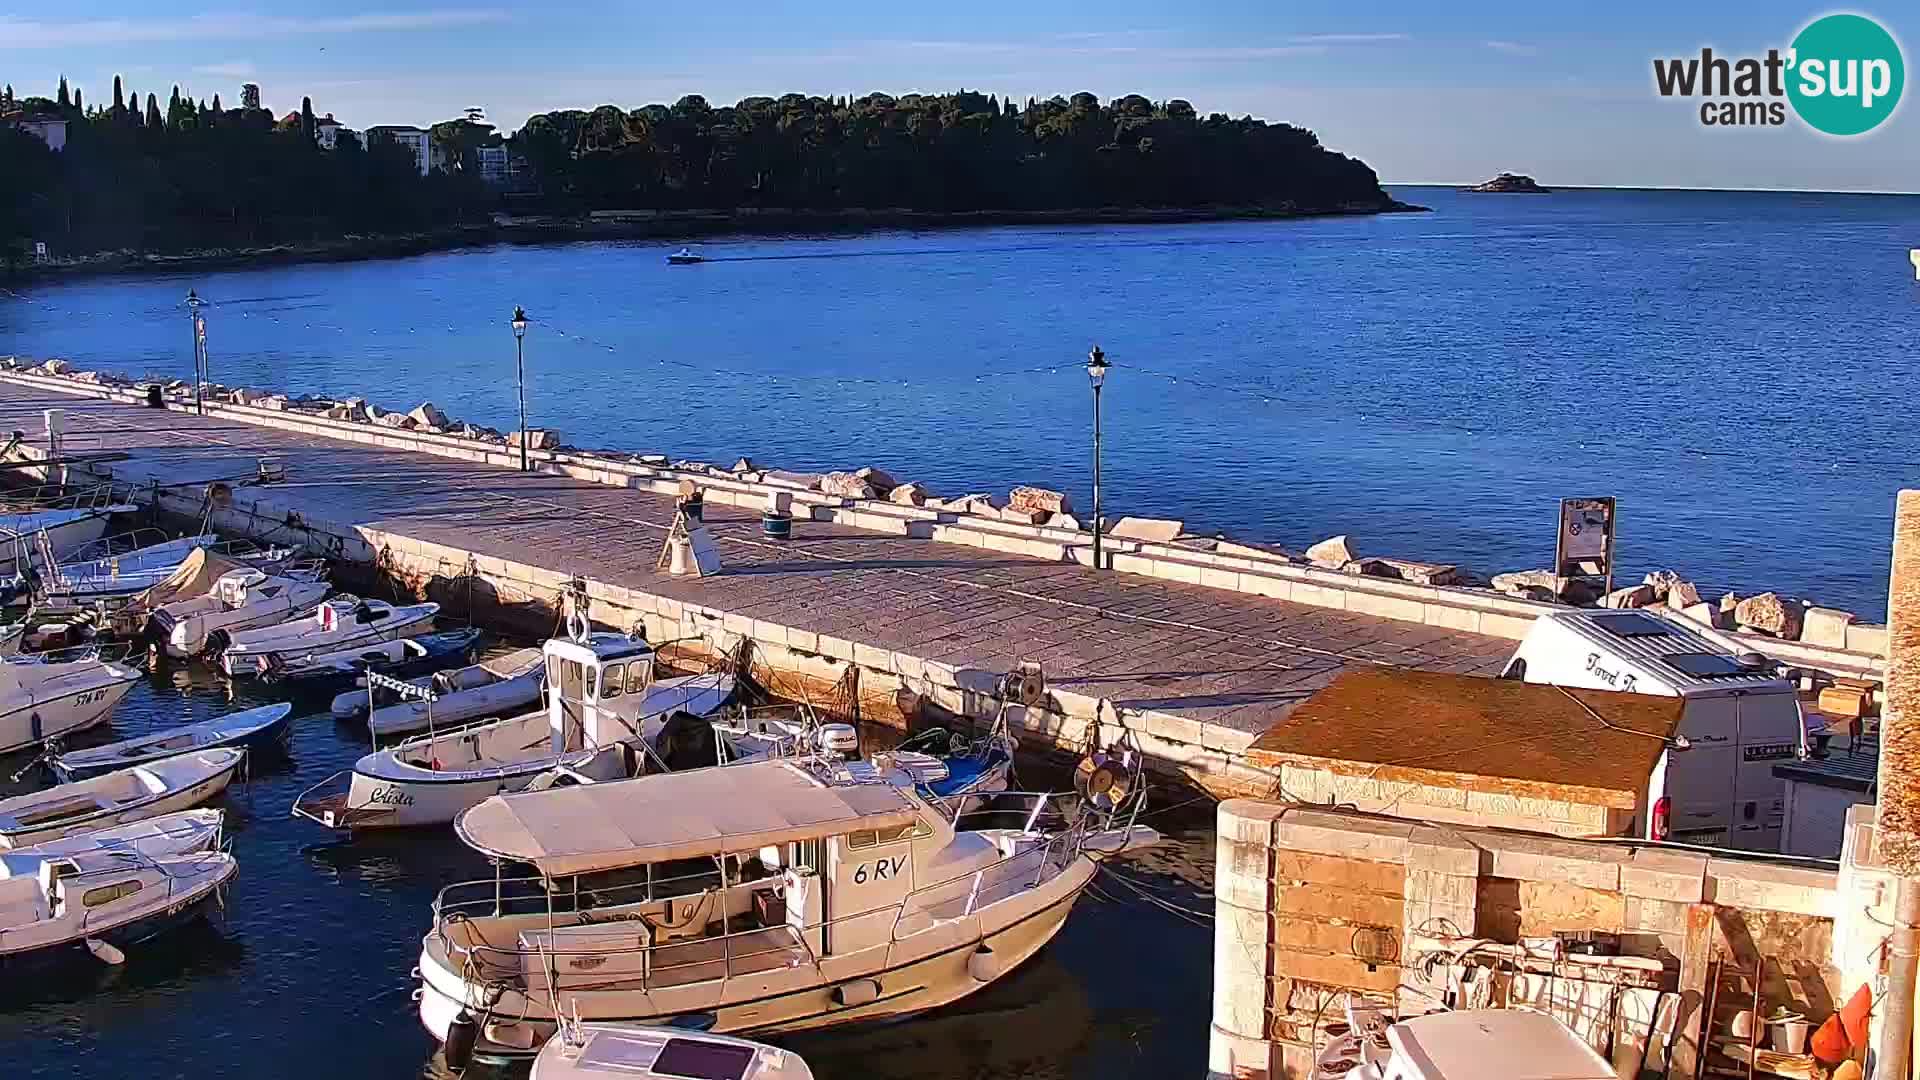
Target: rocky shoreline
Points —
{"points": [[663, 224], [1775, 615], [1511, 184]]}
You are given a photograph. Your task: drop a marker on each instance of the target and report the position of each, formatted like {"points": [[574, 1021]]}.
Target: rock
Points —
{"points": [[276, 402], [348, 411], [360, 401], [878, 479], [1525, 582], [908, 495], [1020, 516], [745, 464], [1826, 627], [92, 377], [1633, 596], [847, 485], [1261, 552], [537, 439], [375, 412], [1663, 582], [1511, 184], [1152, 530], [1332, 553], [56, 367], [1728, 602], [395, 420], [244, 396], [986, 505], [803, 481], [1065, 521], [650, 459], [427, 416], [1033, 498], [1682, 594], [1770, 614], [1418, 573]]}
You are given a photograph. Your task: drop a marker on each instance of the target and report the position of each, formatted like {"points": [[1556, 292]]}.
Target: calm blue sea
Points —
{"points": [[1736, 368]]}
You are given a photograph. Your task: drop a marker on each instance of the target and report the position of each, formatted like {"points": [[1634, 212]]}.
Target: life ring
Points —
{"points": [[578, 628]]}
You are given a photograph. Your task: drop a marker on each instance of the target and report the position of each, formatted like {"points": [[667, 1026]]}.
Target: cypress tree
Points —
{"points": [[119, 103], [133, 108], [173, 107], [77, 107], [217, 110], [63, 100], [153, 112], [306, 118]]}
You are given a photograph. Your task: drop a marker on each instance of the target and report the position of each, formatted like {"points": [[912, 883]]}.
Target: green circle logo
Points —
{"points": [[1846, 75]]}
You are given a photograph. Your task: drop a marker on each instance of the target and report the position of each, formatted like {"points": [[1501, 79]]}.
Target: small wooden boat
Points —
{"points": [[265, 728], [685, 257], [405, 658], [101, 903], [179, 833], [345, 622], [496, 687], [589, 1051], [117, 798]]}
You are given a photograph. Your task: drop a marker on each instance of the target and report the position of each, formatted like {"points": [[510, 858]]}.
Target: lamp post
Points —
{"points": [[199, 324], [1097, 374], [520, 374]]}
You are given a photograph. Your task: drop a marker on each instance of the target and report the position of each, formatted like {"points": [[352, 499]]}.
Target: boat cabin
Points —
{"points": [[351, 611], [595, 688], [70, 888], [238, 588]]}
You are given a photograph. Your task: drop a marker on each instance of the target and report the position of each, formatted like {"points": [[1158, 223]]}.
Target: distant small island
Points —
{"points": [[1511, 184]]}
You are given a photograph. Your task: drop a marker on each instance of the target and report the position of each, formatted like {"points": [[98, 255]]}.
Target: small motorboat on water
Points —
{"points": [[595, 1051], [685, 257], [117, 798], [405, 658], [266, 728], [49, 695], [607, 719], [239, 600], [345, 622], [178, 833], [497, 687], [64, 530], [101, 903], [87, 577]]}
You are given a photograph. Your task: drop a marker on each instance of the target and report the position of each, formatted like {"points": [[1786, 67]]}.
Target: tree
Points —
{"points": [[133, 108], [77, 106], [308, 128], [119, 103], [216, 105], [173, 108], [154, 118], [63, 99]]}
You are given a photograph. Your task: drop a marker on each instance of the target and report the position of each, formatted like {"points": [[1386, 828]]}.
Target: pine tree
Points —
{"points": [[64, 101], [153, 112], [119, 103]]}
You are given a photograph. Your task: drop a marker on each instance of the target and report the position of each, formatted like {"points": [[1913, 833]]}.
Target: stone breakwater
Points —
{"points": [[1336, 572]]}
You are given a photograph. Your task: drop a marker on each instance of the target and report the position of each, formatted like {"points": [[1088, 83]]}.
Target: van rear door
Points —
{"points": [[1701, 780], [1770, 732]]}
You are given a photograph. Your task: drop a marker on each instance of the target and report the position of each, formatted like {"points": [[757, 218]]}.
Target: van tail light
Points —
{"points": [[1662, 818]]}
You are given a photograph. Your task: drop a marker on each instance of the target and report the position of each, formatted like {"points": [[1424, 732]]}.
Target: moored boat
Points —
{"points": [[178, 833], [345, 622], [837, 893], [48, 696], [404, 658], [64, 530], [238, 600], [265, 728], [685, 257], [592, 1051], [117, 798], [101, 903], [495, 687]]}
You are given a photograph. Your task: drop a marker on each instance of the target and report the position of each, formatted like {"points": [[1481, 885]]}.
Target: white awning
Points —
{"points": [[653, 819]]}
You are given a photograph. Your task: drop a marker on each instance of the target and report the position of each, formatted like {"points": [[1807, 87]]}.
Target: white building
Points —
{"points": [[51, 130], [417, 140], [494, 167], [327, 131]]}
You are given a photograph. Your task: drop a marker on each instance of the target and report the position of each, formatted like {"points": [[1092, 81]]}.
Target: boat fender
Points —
{"points": [[857, 992], [106, 952], [984, 964], [462, 1032]]}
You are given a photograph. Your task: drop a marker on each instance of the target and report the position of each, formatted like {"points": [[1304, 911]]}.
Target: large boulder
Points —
{"points": [[1769, 613], [1065, 521], [744, 465], [1682, 594], [1333, 553], [985, 505], [56, 367], [1826, 627], [1526, 583], [347, 411], [1663, 582], [803, 481], [1034, 498], [908, 495], [877, 479], [276, 402], [426, 415], [847, 485], [537, 439], [1418, 573], [1149, 530], [395, 420], [1633, 596], [244, 396]]}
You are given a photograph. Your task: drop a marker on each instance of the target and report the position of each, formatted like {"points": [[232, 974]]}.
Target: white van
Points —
{"points": [[1739, 719]]}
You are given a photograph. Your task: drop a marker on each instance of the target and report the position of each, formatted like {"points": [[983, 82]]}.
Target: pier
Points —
{"points": [[914, 599]]}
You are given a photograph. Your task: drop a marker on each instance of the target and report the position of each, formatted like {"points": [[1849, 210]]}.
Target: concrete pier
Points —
{"points": [[1193, 672]]}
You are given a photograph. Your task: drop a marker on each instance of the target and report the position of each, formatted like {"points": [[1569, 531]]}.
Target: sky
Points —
{"points": [[1422, 91]]}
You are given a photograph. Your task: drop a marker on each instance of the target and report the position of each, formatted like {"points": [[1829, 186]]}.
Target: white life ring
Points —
{"points": [[578, 628]]}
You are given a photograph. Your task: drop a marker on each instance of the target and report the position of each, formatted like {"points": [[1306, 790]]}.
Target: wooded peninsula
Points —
{"points": [[194, 176]]}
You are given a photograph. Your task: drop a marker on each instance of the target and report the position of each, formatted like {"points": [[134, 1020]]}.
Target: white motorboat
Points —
{"points": [[345, 622], [65, 530], [866, 902], [239, 600], [685, 257], [117, 798], [103, 902], [496, 687], [48, 695], [178, 833], [91, 578], [606, 718], [592, 1051]]}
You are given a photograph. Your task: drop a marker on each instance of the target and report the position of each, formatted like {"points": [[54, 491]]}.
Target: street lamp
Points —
{"points": [[199, 349], [1097, 374], [520, 374]]}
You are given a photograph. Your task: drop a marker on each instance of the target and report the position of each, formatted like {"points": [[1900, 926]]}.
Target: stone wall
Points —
{"points": [[1313, 904]]}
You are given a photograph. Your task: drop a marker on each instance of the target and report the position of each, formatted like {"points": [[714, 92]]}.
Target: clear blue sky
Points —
{"points": [[1423, 91]]}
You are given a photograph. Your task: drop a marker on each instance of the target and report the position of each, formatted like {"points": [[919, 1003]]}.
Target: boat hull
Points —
{"points": [[268, 739], [383, 802], [182, 799], [909, 981], [125, 936], [251, 660], [30, 725], [406, 717], [64, 537]]}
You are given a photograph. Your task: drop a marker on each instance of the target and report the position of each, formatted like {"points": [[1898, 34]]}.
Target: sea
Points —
{"points": [[1734, 367]]}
